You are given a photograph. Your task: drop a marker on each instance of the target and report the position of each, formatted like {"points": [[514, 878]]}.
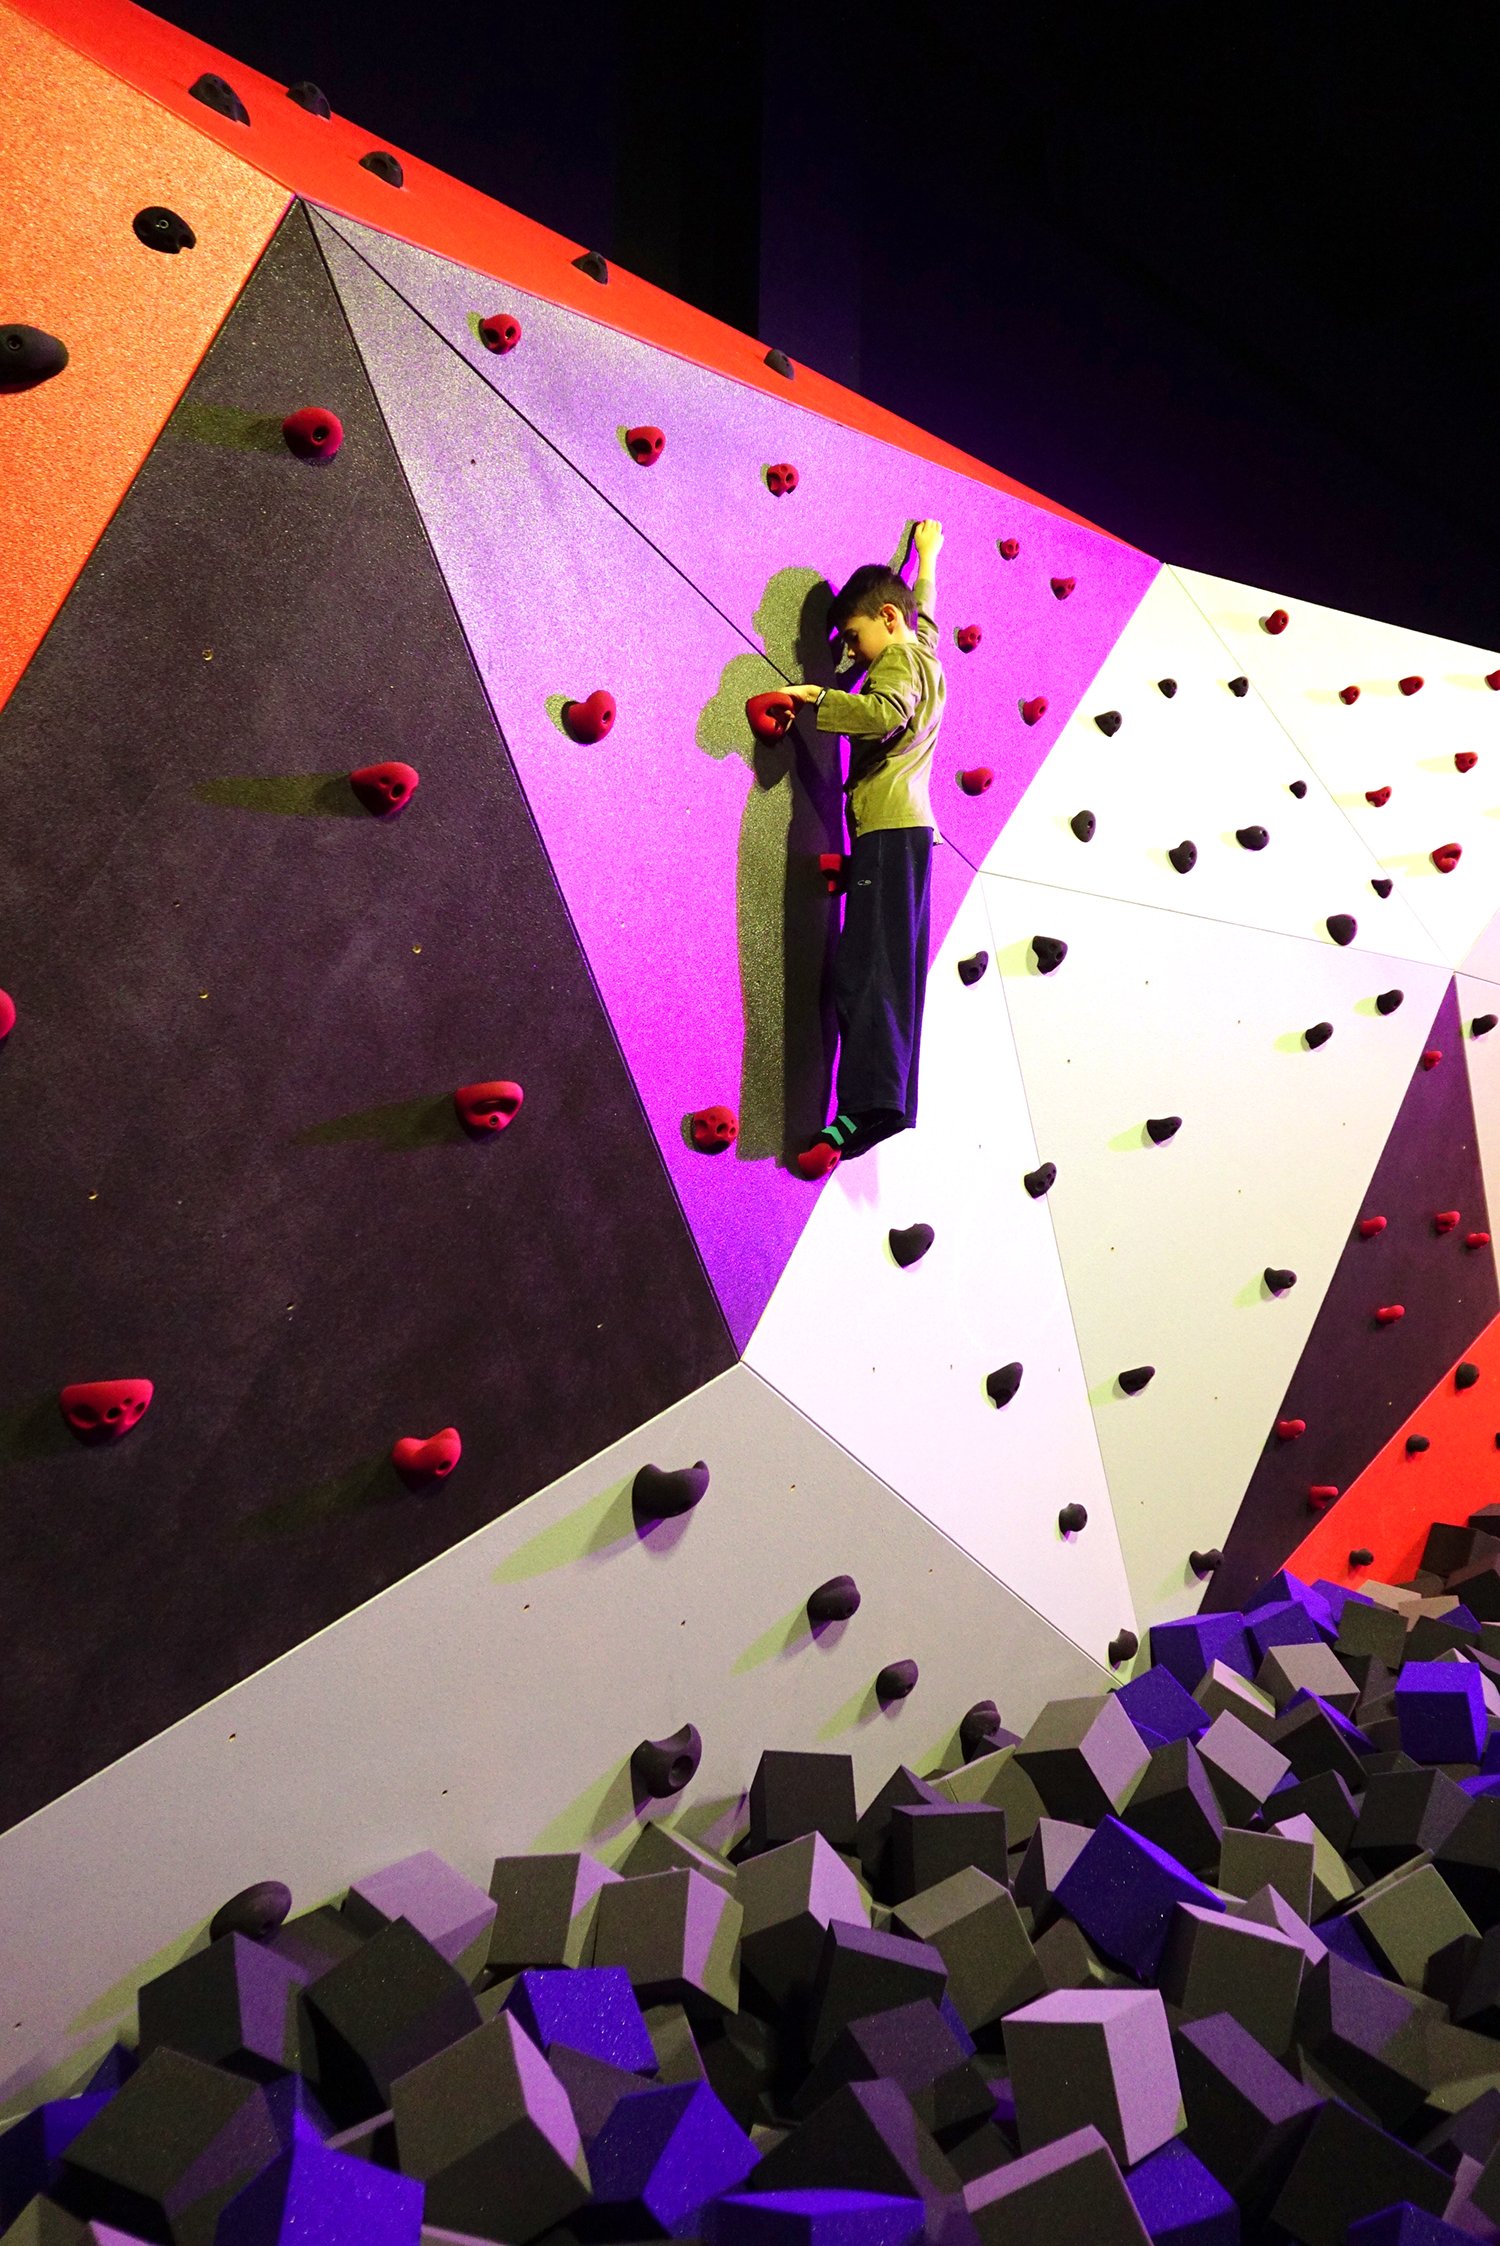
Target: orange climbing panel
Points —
{"points": [[318, 158], [1388, 1510], [80, 155]]}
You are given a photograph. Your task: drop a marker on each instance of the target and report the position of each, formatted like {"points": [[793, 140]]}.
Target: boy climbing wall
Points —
{"points": [[891, 723]]}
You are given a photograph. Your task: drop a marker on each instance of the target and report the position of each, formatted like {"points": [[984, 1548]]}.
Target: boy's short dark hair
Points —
{"points": [[867, 592]]}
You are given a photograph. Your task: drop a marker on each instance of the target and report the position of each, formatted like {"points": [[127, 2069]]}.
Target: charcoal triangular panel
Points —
{"points": [[1359, 1376], [244, 1007], [1048, 614]]}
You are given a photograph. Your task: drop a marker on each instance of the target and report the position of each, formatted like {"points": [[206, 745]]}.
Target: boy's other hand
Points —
{"points": [[927, 536], [801, 693]]}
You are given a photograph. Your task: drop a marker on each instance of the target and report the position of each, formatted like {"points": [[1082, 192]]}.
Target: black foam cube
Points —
{"points": [[930, 1841], [233, 2004], [170, 2150], [390, 2005], [793, 1793]]}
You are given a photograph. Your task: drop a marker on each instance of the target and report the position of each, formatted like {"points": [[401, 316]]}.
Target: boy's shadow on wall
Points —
{"points": [[786, 920]]}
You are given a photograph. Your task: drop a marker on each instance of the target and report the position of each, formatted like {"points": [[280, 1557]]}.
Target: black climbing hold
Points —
{"points": [[1318, 1035], [1298, 788], [1251, 838], [1125, 1647], [596, 267], [310, 97], [1482, 1024], [1040, 1181], [1160, 1128], [970, 970], [29, 356], [833, 1601], [1279, 1282], [664, 1766], [1002, 1385], [255, 1912], [1167, 686], [1415, 1443], [1109, 723], [779, 363], [1184, 856], [1072, 1518], [1050, 951], [217, 93], [1239, 688], [1388, 1001], [1205, 1563], [1381, 884], [1466, 1375], [161, 229], [1083, 824], [1137, 1378], [660, 1493], [385, 166], [1361, 1557], [895, 1681], [1342, 927], [910, 1244], [977, 1729]]}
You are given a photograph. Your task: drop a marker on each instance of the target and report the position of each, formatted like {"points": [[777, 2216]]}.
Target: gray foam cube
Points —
{"points": [[657, 1848], [488, 2128], [1070, 2190], [1308, 1668], [1213, 1963], [544, 1910], [1280, 1859], [1083, 1757], [1221, 1688], [1001, 1781], [1099, 2058], [677, 1935], [788, 1896], [446, 1909], [976, 1928], [1243, 1768]]}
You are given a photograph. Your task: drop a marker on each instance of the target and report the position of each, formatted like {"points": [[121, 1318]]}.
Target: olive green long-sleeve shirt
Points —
{"points": [[892, 725]]}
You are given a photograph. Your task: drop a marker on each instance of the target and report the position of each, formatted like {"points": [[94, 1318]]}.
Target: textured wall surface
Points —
{"points": [[233, 1164], [79, 156]]}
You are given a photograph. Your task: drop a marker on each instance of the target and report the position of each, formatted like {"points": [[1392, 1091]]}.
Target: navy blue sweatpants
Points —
{"points": [[880, 977]]}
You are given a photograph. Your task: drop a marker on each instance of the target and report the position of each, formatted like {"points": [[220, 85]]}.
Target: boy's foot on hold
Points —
{"points": [[827, 1149], [875, 1124]]}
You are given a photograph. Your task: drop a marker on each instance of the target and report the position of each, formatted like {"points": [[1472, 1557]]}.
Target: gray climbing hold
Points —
{"points": [[911, 1243], [1001, 1386]]}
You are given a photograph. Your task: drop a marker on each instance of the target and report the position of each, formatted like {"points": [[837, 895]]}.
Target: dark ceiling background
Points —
{"points": [[1224, 281]]}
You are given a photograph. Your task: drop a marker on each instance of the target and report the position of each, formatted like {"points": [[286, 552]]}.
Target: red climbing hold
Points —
{"points": [[501, 331], [644, 445], [1277, 621], [385, 789], [1411, 685], [968, 637], [1477, 1240], [1062, 586], [1348, 693], [313, 433], [1447, 855], [817, 1160], [1034, 709], [1389, 1312], [976, 779], [1446, 1220], [782, 477], [1377, 796], [488, 1107], [1369, 1226], [1320, 1494], [423, 1460], [831, 864], [589, 721], [770, 714], [101, 1411], [1288, 1430], [1464, 760], [1431, 1058], [7, 1015], [714, 1129], [1492, 681], [1009, 548]]}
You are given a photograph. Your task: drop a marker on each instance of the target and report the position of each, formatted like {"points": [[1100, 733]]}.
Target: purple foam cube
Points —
{"points": [[451, 1913], [1156, 1702], [813, 2218], [31, 2149], [114, 2069], [665, 2152], [1336, 1596], [312, 2193], [1122, 1889], [1181, 2202], [1405, 2225], [1288, 1623], [591, 2008], [1190, 1647], [1440, 1708]]}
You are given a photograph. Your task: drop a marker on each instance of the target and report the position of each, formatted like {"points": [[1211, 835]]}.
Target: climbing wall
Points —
{"points": [[354, 1129]]}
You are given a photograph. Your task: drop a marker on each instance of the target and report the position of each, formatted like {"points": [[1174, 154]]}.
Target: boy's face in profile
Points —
{"points": [[865, 637]]}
